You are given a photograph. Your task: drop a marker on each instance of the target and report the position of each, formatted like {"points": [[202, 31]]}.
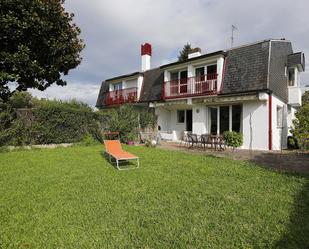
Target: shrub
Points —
{"points": [[126, 120], [63, 123], [3, 149], [88, 140], [292, 143], [21, 100], [147, 118], [301, 126], [151, 143], [233, 139], [6, 118]]}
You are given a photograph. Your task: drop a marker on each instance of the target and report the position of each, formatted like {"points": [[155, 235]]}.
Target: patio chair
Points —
{"points": [[114, 150], [221, 143], [193, 140], [218, 142], [206, 140]]}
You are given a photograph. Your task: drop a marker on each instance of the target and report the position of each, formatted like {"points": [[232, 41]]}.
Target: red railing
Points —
{"points": [[123, 96], [194, 86]]}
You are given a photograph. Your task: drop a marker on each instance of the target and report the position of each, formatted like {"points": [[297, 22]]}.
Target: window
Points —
{"points": [[117, 86], [279, 116], [229, 119], [199, 73], [180, 116], [174, 83], [213, 111], [236, 117], [212, 69], [174, 76], [224, 118], [291, 76]]}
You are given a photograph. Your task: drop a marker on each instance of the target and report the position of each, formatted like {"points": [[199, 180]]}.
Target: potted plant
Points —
{"points": [[130, 139]]}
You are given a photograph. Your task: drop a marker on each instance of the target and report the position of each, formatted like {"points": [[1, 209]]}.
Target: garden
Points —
{"points": [[74, 198]]}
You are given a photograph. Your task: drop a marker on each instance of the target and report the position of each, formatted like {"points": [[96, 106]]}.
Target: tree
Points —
{"points": [[301, 125], [305, 98], [39, 44], [183, 54]]}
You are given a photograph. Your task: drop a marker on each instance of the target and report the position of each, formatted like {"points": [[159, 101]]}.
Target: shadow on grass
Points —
{"points": [[297, 232], [291, 162]]}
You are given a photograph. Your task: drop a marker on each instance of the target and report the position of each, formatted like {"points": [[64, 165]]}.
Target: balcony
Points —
{"points": [[294, 96], [191, 87], [124, 96]]}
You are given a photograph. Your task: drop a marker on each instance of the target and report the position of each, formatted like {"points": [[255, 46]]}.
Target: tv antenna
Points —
{"points": [[234, 28]]}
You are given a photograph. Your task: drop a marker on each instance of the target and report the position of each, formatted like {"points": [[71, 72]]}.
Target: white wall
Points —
{"points": [[220, 64], [199, 117], [164, 118], [146, 62], [179, 128], [290, 118], [259, 121], [167, 119], [279, 133], [259, 111], [131, 83], [139, 85]]}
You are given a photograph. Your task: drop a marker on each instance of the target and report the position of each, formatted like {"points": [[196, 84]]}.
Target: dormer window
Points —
{"points": [[291, 76], [117, 86]]}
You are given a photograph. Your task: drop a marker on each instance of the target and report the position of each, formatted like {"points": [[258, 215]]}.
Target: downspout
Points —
{"points": [[270, 132]]}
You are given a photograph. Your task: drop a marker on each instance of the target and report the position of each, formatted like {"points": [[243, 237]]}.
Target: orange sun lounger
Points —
{"points": [[113, 149]]}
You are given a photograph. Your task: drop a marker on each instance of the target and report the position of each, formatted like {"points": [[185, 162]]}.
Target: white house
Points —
{"points": [[253, 89]]}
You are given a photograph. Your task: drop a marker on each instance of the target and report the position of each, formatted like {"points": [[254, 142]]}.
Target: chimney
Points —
{"points": [[194, 52], [146, 56]]}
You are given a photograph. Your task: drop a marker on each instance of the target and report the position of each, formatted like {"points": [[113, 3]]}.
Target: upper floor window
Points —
{"points": [[291, 77], [117, 86], [212, 69], [199, 73]]}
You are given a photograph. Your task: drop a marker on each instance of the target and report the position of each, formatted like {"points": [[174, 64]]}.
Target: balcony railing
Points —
{"points": [[189, 87], [124, 96]]}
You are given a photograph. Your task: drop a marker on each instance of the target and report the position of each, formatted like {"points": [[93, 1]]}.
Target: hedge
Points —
{"points": [[54, 121]]}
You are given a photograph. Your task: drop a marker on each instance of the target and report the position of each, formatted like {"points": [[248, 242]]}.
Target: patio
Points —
{"points": [[287, 160]]}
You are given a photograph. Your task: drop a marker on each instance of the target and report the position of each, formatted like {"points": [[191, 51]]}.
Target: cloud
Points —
{"points": [[86, 92], [113, 31]]}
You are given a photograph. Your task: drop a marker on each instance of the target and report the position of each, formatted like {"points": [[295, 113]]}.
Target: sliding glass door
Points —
{"points": [[225, 118], [213, 112]]}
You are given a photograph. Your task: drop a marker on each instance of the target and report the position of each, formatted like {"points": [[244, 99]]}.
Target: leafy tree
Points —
{"points": [[305, 98], [301, 126], [183, 54], [39, 43]]}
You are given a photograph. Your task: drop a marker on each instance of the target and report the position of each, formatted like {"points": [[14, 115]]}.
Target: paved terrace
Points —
{"points": [[295, 161]]}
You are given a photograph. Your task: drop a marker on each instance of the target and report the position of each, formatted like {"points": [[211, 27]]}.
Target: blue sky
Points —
{"points": [[113, 31]]}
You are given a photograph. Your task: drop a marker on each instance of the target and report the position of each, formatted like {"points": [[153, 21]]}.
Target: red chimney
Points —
{"points": [[146, 56], [146, 49]]}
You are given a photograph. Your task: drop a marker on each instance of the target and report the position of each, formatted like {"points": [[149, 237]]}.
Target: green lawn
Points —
{"points": [[73, 198]]}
